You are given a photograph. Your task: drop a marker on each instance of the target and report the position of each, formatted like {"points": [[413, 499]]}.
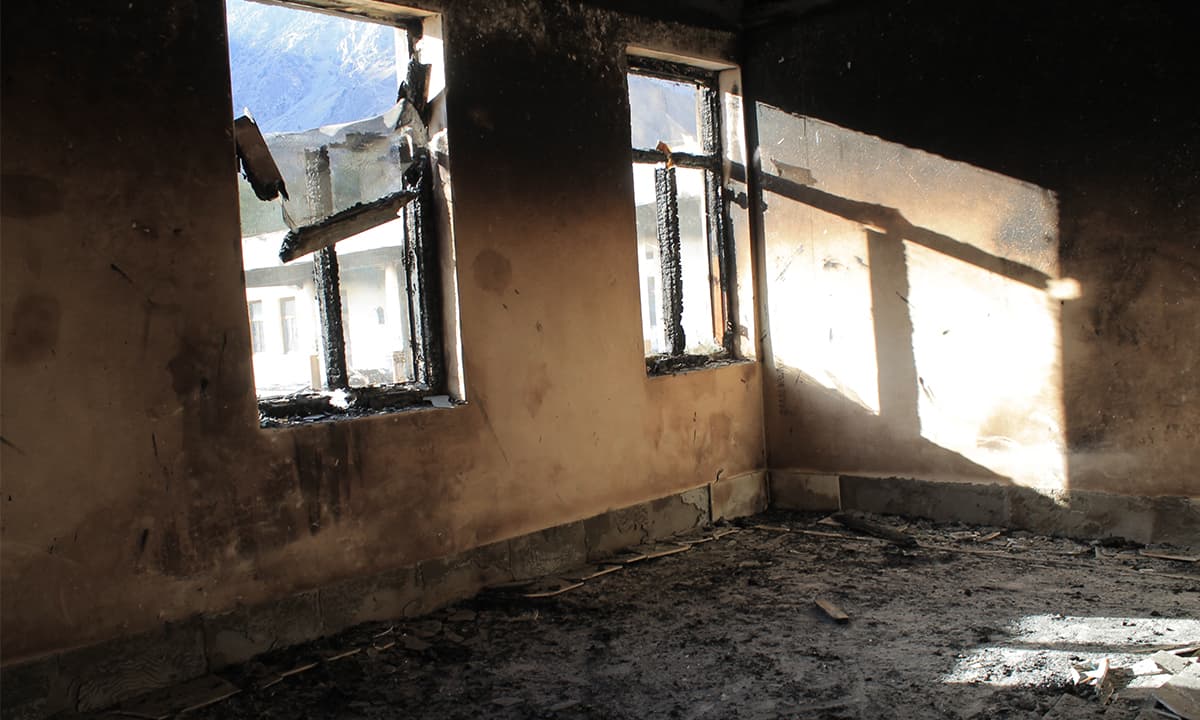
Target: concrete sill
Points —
{"points": [[309, 408], [668, 365]]}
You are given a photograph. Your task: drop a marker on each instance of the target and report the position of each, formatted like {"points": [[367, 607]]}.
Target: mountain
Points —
{"points": [[297, 70]]}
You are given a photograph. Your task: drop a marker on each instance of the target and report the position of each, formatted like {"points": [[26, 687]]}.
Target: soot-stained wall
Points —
{"points": [[138, 487], [982, 241]]}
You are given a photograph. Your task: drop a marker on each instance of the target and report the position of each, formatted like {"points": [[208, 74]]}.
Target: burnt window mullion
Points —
{"points": [[329, 309], [716, 202], [669, 253], [420, 256], [318, 187]]}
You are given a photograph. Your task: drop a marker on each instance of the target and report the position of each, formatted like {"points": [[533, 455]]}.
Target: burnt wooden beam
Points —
{"points": [[857, 522], [341, 225]]}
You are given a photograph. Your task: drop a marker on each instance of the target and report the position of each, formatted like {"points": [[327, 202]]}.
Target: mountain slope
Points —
{"points": [[296, 70]]}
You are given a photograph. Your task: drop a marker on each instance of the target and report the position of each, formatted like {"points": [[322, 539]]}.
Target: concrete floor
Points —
{"points": [[964, 626]]}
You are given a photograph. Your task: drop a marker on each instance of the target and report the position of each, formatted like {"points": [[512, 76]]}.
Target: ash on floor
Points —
{"points": [[970, 623]]}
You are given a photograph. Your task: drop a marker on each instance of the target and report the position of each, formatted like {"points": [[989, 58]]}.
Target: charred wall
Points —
{"points": [[138, 487], [1087, 105]]}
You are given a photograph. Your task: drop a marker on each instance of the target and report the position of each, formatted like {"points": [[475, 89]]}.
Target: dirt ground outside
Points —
{"points": [[970, 623]]}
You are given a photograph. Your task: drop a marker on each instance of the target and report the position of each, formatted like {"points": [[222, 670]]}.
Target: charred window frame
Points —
{"points": [[339, 399], [413, 205], [721, 270]]}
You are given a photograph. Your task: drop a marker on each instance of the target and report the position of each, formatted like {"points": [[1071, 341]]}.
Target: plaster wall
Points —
{"points": [[981, 255], [138, 487]]}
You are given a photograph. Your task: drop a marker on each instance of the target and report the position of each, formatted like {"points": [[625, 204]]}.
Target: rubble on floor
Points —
{"points": [[931, 621]]}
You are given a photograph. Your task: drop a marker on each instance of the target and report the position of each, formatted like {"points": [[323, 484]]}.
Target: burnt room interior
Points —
{"points": [[600, 359]]}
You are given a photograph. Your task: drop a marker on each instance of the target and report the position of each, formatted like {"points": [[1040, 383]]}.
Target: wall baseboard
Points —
{"points": [[1077, 514]]}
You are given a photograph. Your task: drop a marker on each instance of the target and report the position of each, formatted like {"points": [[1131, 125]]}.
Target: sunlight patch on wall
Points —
{"points": [[923, 289], [826, 316], [987, 351]]}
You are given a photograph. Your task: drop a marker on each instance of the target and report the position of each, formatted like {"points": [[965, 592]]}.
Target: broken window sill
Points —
{"points": [[317, 407], [665, 365]]}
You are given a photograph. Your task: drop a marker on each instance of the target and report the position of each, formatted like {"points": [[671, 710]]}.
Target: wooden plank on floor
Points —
{"points": [[549, 587], [169, 702], [772, 528], [588, 572], [627, 557], [657, 550], [870, 527], [1170, 556], [693, 538], [834, 612]]}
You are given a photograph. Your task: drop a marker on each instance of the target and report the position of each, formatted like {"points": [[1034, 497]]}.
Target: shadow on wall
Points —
{"points": [[912, 310], [1086, 104]]}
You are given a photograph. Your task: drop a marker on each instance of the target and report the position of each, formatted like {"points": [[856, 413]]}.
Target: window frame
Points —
{"points": [[718, 222], [336, 399]]}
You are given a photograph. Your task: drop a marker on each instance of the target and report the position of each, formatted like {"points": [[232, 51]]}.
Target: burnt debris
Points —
{"points": [[341, 225], [258, 167]]}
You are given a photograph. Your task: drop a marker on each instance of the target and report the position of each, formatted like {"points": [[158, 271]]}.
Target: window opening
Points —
{"points": [[336, 201], [651, 301], [682, 214], [257, 326], [287, 322]]}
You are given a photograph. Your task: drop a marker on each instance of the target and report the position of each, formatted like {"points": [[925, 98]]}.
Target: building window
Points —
{"points": [[257, 327], [287, 324], [651, 304], [331, 123], [682, 211]]}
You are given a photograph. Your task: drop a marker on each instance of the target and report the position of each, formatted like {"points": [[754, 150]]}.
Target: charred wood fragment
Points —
{"points": [[258, 167], [343, 224], [414, 89], [857, 522]]}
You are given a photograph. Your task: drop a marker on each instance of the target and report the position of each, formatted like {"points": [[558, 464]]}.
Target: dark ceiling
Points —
{"points": [[716, 14]]}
